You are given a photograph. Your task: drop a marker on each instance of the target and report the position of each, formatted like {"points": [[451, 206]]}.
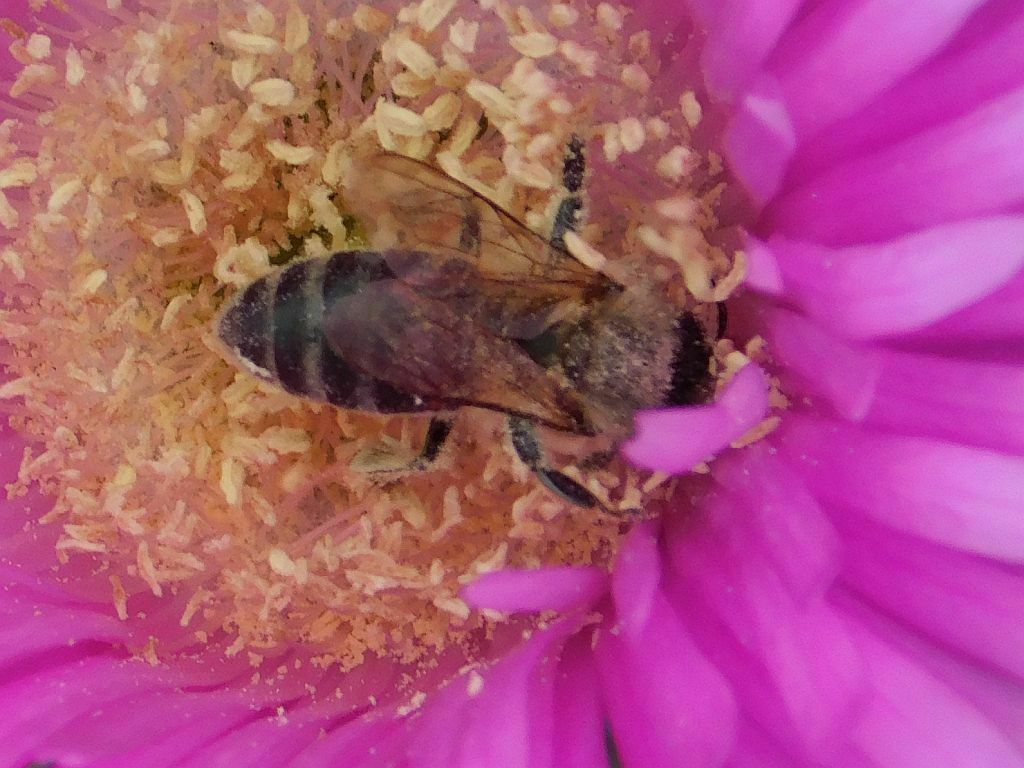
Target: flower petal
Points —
{"points": [[993, 327], [635, 578], [760, 140], [363, 743], [986, 61], [967, 168], [37, 629], [675, 440], [772, 643], [763, 272], [989, 690], [518, 693], [845, 374], [33, 707], [967, 402], [741, 34], [756, 748], [542, 589], [668, 704], [915, 721], [913, 394], [781, 523], [972, 605], [967, 498], [578, 717], [150, 729], [822, 66], [905, 284], [270, 740]]}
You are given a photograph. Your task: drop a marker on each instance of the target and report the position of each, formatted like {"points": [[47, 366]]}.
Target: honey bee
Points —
{"points": [[468, 307]]}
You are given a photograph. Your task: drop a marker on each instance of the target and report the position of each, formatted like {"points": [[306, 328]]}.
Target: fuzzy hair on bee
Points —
{"points": [[460, 305]]}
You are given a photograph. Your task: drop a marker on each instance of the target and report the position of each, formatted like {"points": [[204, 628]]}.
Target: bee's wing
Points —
{"points": [[431, 348], [417, 207]]}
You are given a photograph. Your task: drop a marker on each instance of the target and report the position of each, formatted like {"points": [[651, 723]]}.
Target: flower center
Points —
{"points": [[154, 170]]}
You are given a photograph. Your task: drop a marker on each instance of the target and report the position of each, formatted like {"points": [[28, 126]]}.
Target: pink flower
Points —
{"points": [[844, 592]]}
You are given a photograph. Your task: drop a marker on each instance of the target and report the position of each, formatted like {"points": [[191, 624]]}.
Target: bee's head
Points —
{"points": [[245, 330]]}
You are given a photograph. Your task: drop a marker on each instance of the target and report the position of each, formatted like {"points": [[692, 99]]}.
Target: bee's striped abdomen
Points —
{"points": [[344, 274], [245, 328], [297, 318], [275, 326]]}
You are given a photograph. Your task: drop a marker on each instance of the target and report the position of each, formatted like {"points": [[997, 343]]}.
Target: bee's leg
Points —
{"points": [[437, 435], [567, 215], [528, 448], [377, 461]]}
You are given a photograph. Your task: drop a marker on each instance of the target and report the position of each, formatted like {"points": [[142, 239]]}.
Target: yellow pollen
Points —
{"points": [[536, 45], [273, 92], [563, 15], [692, 110], [289, 153], [248, 42], [38, 47], [475, 684]]}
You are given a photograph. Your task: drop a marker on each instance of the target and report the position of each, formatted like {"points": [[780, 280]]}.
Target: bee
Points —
{"points": [[466, 307]]}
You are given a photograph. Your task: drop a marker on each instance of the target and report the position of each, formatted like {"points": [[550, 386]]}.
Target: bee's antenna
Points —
{"points": [[567, 217]]}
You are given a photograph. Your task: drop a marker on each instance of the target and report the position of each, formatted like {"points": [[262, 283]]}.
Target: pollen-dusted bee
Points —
{"points": [[468, 307]]}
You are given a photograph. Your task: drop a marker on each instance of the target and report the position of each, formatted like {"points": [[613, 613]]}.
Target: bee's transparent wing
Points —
{"points": [[430, 348], [414, 206]]}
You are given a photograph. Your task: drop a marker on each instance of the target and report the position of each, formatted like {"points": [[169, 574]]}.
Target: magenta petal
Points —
{"points": [[763, 271], [925, 395], [915, 721], [905, 284], [269, 741], [967, 498], [635, 578], [364, 743], [824, 67], [25, 633], [760, 141], [669, 706], [989, 690], [755, 748], [996, 320], [958, 400], [11, 448], [151, 729], [675, 440], [741, 33], [434, 735], [579, 724], [509, 721], [781, 522], [770, 641], [967, 168], [434, 732], [986, 61], [542, 589], [35, 706], [846, 375], [972, 605]]}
